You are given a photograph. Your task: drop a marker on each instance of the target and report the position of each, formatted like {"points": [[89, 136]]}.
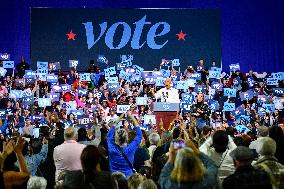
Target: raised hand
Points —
{"points": [[19, 146]]}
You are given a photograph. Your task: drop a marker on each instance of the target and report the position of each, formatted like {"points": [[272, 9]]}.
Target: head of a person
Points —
{"points": [[154, 138], [262, 131], [220, 141], [28, 121], [176, 133], [119, 181], [266, 147], [166, 137], [187, 167], [201, 62], [82, 134], [121, 136], [148, 184], [200, 97], [242, 156], [36, 183], [276, 133], [70, 133], [90, 158], [135, 180], [168, 83]]}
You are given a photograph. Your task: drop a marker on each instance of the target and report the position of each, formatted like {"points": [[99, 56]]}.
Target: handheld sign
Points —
{"points": [[42, 65], [213, 105], [141, 101], [8, 64], [43, 102], [122, 108], [230, 92], [229, 107], [149, 119]]}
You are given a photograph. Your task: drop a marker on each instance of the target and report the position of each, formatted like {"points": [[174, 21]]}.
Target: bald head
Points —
{"points": [[168, 83], [70, 133]]}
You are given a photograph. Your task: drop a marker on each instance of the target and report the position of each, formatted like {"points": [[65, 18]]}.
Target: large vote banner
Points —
{"points": [[104, 35]]}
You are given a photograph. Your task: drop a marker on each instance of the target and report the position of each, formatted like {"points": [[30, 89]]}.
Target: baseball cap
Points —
{"points": [[242, 153]]}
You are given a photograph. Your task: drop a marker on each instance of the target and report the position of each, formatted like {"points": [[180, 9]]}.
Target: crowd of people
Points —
{"points": [[204, 146]]}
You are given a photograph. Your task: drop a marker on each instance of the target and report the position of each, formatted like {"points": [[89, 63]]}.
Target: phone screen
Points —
{"points": [[178, 144], [36, 132]]}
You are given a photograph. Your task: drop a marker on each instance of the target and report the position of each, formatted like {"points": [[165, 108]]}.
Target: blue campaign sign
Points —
{"points": [[160, 82], [181, 85], [138, 70], [102, 59], [150, 80], [278, 91], [196, 76], [242, 129], [8, 64], [122, 108], [84, 121], [269, 107], [262, 99], [214, 74], [187, 97], [238, 111], [56, 88], [272, 81], [85, 76], [43, 71], [73, 63], [17, 94], [30, 81], [98, 94], [54, 66], [51, 78], [216, 69], [216, 85], [113, 86], [175, 62], [42, 65], [141, 101], [112, 79], [213, 105], [166, 73], [53, 96], [149, 119], [250, 81], [3, 114], [200, 89], [130, 70], [229, 107], [191, 82], [82, 92], [234, 67], [248, 95], [185, 106], [120, 66], [28, 100], [278, 75], [123, 75], [157, 74], [135, 78], [126, 59], [243, 119], [43, 102], [65, 87], [261, 111], [30, 74], [230, 92], [5, 56], [3, 72], [27, 92], [76, 112], [19, 82]]}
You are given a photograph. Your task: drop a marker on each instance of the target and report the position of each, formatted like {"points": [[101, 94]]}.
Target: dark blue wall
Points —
{"points": [[252, 30]]}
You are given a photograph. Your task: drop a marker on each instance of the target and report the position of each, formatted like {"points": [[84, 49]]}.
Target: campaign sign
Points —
{"points": [[30, 74], [17, 94], [30, 81], [73, 63], [56, 88], [54, 66], [8, 64], [42, 65], [182, 85], [112, 80], [41, 77], [150, 80], [5, 56], [126, 59], [278, 75], [120, 66], [43, 102], [53, 96], [229, 107], [27, 92], [175, 62], [214, 74], [19, 82], [242, 129], [51, 78], [82, 92], [166, 73], [135, 78], [250, 81], [216, 69], [185, 106], [269, 107], [238, 111], [243, 119], [234, 67], [191, 82], [98, 94], [200, 89], [85, 76], [109, 71], [230, 92], [27, 100], [160, 82], [262, 99], [157, 74], [84, 122], [123, 75], [3, 72], [3, 114], [278, 91], [261, 111], [272, 81], [113, 86], [130, 70], [213, 105], [196, 76], [102, 59], [217, 85], [138, 70], [141, 101], [187, 97], [35, 118], [212, 92], [148, 119], [76, 112], [248, 95], [122, 108], [65, 87]]}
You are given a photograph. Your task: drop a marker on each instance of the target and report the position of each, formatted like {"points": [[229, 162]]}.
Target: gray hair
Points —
{"points": [[154, 138], [36, 183], [148, 184], [263, 131], [267, 146], [70, 133], [121, 136]]}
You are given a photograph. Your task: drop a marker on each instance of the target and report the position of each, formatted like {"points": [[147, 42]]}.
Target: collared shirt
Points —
{"points": [[67, 157], [28, 130], [168, 95]]}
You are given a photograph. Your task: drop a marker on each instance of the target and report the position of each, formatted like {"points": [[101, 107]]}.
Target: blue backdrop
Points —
{"points": [[252, 32]]}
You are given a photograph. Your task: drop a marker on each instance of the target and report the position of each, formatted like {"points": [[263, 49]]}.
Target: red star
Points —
{"points": [[181, 35], [71, 35]]}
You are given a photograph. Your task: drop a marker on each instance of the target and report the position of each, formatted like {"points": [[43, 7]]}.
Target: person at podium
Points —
{"points": [[167, 94]]}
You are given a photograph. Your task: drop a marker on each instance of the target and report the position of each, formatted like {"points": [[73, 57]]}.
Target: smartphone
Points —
{"points": [[177, 122], [178, 144], [36, 132]]}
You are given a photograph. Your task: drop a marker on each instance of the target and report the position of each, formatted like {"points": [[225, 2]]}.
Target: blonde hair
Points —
{"points": [[135, 180], [187, 167]]}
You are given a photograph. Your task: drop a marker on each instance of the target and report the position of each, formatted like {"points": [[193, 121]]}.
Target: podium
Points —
{"points": [[167, 111]]}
